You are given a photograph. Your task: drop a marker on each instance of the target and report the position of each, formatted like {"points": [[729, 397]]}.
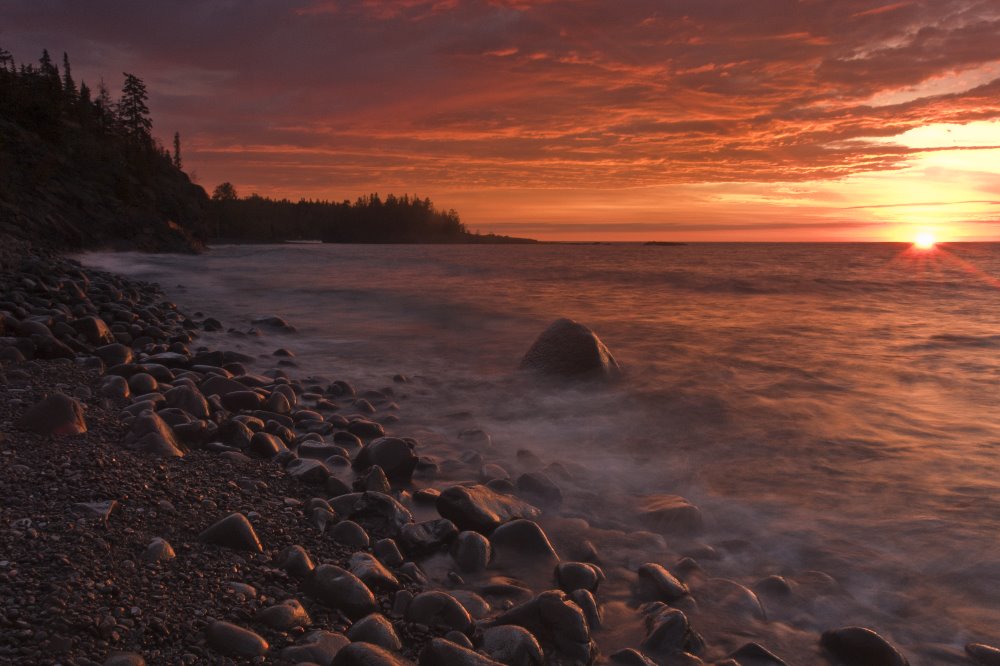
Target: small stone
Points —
{"points": [[372, 573], [522, 543], [340, 589], [350, 534], [377, 630], [235, 641], [233, 531], [284, 616], [296, 561], [578, 576], [158, 550]]}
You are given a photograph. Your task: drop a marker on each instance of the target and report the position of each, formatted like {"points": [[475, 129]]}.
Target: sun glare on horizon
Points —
{"points": [[924, 241]]}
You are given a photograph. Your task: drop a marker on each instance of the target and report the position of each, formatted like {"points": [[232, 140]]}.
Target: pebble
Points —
{"points": [[233, 531]]}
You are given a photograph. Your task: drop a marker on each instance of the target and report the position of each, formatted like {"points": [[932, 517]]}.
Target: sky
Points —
{"points": [[718, 120]]}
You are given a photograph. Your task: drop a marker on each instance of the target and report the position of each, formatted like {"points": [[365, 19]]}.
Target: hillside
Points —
{"points": [[80, 172]]}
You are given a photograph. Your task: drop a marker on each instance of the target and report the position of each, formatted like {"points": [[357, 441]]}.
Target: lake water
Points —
{"points": [[830, 408]]}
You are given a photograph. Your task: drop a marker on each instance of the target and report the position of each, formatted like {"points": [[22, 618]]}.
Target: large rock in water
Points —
{"points": [[481, 508], [569, 349]]}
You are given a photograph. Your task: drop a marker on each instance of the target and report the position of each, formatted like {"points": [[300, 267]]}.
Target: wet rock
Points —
{"points": [[374, 480], [588, 604], [388, 552], [439, 609], [275, 323], [378, 513], [189, 399], [567, 349], [222, 386], [655, 583], [57, 415], [263, 445], [754, 654], [630, 657], [522, 542], [114, 387], [317, 647], [151, 435], [539, 488], [367, 654], [670, 514], [481, 509], [296, 561], [395, 456], [341, 590], [235, 433], [125, 659], [142, 383], [350, 534], [277, 403], [320, 450], [557, 623], [377, 630], [578, 576], [478, 607], [669, 632], [308, 471], [726, 595], [233, 531], [372, 573], [284, 616], [439, 652], [419, 539], [114, 354], [493, 472], [365, 429], [471, 552], [158, 550], [983, 654], [773, 586], [859, 646], [235, 641], [239, 401], [512, 645]]}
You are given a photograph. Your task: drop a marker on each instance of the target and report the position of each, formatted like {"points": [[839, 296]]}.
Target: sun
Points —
{"points": [[924, 241]]}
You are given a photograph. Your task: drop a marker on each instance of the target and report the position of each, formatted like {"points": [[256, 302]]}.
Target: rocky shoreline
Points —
{"points": [[163, 503]]}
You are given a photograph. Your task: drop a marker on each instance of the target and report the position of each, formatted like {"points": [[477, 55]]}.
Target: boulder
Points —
{"points": [[987, 655], [317, 647], [668, 632], [439, 609], [377, 630], [372, 573], [418, 539], [657, 584], [368, 654], [567, 349], [284, 616], [234, 641], [57, 415], [859, 646], [439, 652], [150, 434], [395, 456], [380, 515], [341, 590], [522, 543], [578, 576], [471, 552], [557, 623], [233, 531], [480, 508], [512, 645], [670, 514]]}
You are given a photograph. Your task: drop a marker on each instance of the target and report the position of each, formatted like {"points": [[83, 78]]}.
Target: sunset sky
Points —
{"points": [[627, 120]]}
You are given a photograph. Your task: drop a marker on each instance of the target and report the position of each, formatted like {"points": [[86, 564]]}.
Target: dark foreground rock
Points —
{"points": [[570, 350]]}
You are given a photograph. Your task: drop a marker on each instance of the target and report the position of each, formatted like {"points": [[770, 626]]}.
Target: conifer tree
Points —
{"points": [[177, 150], [6, 59], [132, 110], [69, 87]]}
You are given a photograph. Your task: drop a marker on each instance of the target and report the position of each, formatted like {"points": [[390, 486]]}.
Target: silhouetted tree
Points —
{"points": [[6, 60], [69, 87], [177, 150], [132, 110], [224, 192]]}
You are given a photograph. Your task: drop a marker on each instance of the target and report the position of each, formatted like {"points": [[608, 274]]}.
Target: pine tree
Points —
{"points": [[132, 110], [105, 107], [69, 87], [84, 93], [177, 150], [6, 59]]}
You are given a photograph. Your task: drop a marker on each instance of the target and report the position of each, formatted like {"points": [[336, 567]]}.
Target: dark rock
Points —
{"points": [[350, 534], [151, 435], [296, 561], [365, 429], [986, 655], [512, 645], [308, 471], [439, 652], [274, 322], [284, 616], [367, 654], [630, 657], [373, 480], [320, 450], [670, 514], [556, 622], [754, 654], [379, 514], [235, 433], [588, 604], [471, 551], [237, 401], [578, 576], [388, 552], [395, 456], [568, 349], [142, 383], [372, 573], [317, 647], [221, 386], [188, 399], [235, 641], [539, 488], [728, 595], [158, 550], [859, 646], [233, 531], [481, 509], [419, 539], [125, 659], [522, 542], [655, 583], [439, 609], [377, 630], [114, 354], [669, 632], [341, 590], [263, 445], [57, 415]]}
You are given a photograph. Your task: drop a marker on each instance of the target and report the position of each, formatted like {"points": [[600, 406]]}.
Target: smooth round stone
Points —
{"points": [[244, 400], [512, 645], [158, 550], [669, 633], [125, 659], [264, 445], [372, 573], [387, 552], [440, 652], [630, 657], [491, 472], [57, 415], [860, 646], [233, 531], [522, 542], [189, 399], [378, 513], [538, 487], [320, 450], [142, 383], [555, 621], [755, 654], [318, 647], [570, 350], [670, 514], [481, 509], [478, 607], [588, 604], [578, 576], [307, 470], [235, 641], [365, 429], [284, 616], [655, 583], [422, 538], [296, 561], [730, 596], [377, 630], [340, 589], [367, 654], [395, 456], [350, 534], [114, 387], [986, 655], [439, 609], [471, 552]]}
